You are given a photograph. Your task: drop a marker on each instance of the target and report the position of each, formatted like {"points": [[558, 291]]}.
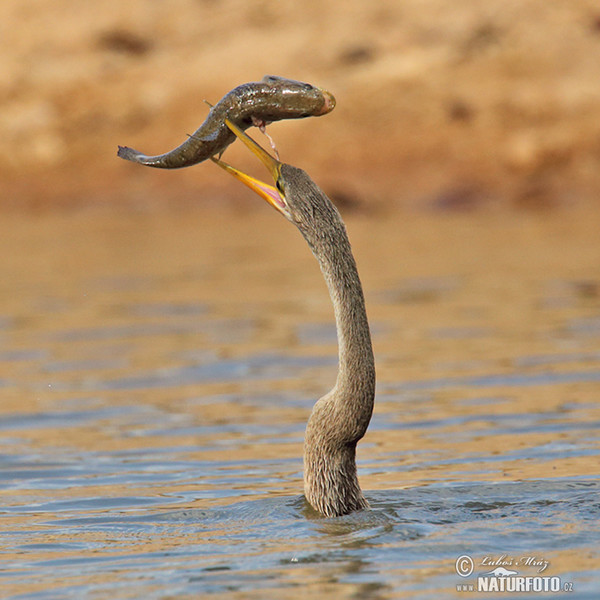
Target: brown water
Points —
{"points": [[157, 372]]}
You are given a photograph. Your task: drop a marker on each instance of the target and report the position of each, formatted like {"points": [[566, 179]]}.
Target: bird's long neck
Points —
{"points": [[356, 374], [340, 419]]}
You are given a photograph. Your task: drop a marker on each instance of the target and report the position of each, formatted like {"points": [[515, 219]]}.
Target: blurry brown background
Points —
{"points": [[456, 105]]}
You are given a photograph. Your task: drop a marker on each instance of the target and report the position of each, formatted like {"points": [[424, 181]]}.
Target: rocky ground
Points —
{"points": [[456, 105]]}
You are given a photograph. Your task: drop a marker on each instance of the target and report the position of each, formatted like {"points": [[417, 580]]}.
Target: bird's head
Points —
{"points": [[295, 195]]}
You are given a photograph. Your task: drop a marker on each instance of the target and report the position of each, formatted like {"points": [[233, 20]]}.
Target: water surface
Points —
{"points": [[156, 374]]}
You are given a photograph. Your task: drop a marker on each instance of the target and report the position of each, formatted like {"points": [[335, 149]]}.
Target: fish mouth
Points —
{"points": [[328, 103], [268, 192]]}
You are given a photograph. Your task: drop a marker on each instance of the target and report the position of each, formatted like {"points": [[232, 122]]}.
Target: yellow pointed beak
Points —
{"points": [[270, 193]]}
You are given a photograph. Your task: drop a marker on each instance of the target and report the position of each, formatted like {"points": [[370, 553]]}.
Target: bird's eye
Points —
{"points": [[279, 186]]}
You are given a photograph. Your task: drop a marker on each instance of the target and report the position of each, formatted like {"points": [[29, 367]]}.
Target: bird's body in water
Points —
{"points": [[341, 417]]}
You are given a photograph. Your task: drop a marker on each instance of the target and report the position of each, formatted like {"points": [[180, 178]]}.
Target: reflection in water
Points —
{"points": [[511, 379], [225, 549], [152, 416]]}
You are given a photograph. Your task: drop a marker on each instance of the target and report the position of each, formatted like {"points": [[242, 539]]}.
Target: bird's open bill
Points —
{"points": [[270, 193]]}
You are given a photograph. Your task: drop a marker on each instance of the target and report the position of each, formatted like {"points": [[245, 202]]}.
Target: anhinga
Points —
{"points": [[341, 417]]}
